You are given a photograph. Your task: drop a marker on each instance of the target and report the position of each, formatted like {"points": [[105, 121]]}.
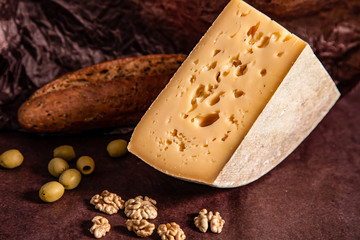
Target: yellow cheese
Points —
{"points": [[245, 97]]}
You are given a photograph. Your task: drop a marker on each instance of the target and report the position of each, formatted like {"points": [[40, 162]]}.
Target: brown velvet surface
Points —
{"points": [[313, 194]]}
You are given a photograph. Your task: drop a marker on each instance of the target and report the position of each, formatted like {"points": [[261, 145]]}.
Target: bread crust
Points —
{"points": [[109, 94]]}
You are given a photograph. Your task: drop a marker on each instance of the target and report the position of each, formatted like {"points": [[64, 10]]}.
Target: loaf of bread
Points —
{"points": [[109, 94]]}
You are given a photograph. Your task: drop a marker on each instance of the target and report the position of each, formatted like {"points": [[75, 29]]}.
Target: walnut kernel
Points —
{"points": [[141, 227], [202, 221], [141, 208], [100, 227], [216, 222], [171, 231], [107, 202]]}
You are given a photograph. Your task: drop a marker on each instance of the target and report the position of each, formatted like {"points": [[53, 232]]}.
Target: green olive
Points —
{"points": [[70, 178], [65, 152], [117, 148], [11, 158], [85, 165], [56, 166], [51, 191]]}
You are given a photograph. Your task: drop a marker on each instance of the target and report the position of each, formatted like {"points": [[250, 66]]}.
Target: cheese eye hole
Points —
{"points": [[275, 35], [243, 14], [216, 52], [218, 77], [236, 62], [287, 38], [252, 30], [238, 93], [185, 116], [208, 119], [212, 66], [242, 70], [263, 72], [280, 54], [200, 91], [226, 73], [216, 99], [264, 42]]}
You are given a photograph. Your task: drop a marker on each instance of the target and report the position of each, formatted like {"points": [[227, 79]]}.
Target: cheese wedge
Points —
{"points": [[243, 100]]}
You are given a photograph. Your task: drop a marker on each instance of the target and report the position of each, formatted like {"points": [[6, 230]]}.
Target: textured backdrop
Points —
{"points": [[41, 40], [313, 194]]}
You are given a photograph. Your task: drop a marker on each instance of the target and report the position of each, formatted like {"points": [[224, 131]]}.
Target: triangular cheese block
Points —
{"points": [[243, 100]]}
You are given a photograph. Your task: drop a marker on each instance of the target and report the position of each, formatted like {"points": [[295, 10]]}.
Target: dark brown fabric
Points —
{"points": [[313, 194], [41, 40]]}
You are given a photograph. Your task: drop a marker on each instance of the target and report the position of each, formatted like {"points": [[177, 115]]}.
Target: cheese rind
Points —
{"points": [[208, 109], [301, 101]]}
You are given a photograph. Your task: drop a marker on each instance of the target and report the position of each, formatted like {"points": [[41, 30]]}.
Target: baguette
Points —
{"points": [[109, 94]]}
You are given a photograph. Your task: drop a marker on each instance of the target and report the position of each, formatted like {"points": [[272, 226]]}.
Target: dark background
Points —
{"points": [[41, 40], [313, 194]]}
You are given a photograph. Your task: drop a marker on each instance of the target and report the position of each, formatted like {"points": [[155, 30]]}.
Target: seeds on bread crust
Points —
{"points": [[110, 94]]}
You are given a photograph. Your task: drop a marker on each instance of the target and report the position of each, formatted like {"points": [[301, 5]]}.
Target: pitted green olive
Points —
{"points": [[70, 178], [51, 191], [117, 148], [85, 165], [65, 152], [57, 166], [11, 158]]}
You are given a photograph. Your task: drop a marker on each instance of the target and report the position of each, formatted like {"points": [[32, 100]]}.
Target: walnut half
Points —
{"points": [[100, 227], [107, 202], [171, 231], [202, 221], [141, 227], [141, 208]]}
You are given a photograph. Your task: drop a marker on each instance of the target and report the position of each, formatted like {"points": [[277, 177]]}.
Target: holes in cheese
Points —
{"points": [[252, 30], [264, 42], [287, 38], [216, 99], [238, 93], [218, 79], [212, 65], [216, 96], [192, 79], [263, 72], [241, 70], [216, 52], [208, 119]]}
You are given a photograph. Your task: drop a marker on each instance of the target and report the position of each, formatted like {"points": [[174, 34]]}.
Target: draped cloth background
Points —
{"points": [[41, 40], [313, 194]]}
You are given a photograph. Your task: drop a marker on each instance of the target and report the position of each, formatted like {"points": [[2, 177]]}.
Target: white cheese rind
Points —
{"points": [[302, 100]]}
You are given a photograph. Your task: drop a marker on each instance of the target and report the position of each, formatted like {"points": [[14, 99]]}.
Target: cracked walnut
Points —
{"points": [[141, 208], [202, 221], [171, 231], [107, 202], [100, 227], [141, 227]]}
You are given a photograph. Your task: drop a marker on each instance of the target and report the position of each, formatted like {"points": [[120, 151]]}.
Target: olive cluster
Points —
{"points": [[69, 178]]}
